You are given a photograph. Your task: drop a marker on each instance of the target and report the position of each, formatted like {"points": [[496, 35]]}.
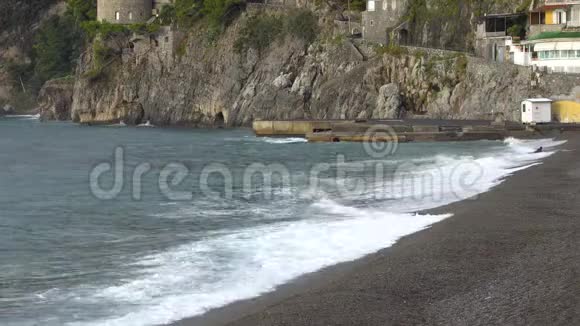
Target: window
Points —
{"points": [[371, 7], [385, 5], [117, 15], [394, 5], [542, 55], [524, 108], [563, 54], [130, 15], [559, 17]]}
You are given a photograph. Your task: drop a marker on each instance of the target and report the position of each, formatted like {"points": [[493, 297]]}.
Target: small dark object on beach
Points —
{"points": [[539, 150]]}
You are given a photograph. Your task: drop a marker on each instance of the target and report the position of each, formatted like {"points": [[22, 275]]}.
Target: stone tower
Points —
{"points": [[124, 11]]}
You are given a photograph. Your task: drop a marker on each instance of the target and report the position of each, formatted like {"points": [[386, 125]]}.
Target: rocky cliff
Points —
{"points": [[215, 86], [450, 24], [55, 99]]}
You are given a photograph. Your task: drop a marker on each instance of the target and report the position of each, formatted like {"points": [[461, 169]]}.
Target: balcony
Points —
{"points": [[538, 29]]}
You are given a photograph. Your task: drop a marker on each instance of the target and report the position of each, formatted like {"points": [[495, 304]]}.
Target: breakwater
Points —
{"points": [[403, 130]]}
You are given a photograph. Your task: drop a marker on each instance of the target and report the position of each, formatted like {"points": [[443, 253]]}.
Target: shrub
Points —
{"points": [[259, 32], [101, 54], [219, 14], [516, 30], [303, 25], [167, 15], [337, 40], [186, 12], [461, 64], [105, 29], [393, 50]]}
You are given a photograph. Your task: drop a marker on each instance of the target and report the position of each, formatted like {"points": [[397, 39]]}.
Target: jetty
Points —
{"points": [[411, 130]]}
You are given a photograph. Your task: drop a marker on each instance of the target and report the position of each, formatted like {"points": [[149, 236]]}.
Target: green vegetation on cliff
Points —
{"points": [[260, 31], [57, 44], [450, 24]]}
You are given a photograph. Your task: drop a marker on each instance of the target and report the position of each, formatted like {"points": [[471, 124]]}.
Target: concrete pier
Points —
{"points": [[393, 130]]}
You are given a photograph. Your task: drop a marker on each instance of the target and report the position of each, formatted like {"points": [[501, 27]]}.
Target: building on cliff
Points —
{"points": [[554, 36], [547, 37], [382, 21], [129, 11], [498, 37], [162, 43]]}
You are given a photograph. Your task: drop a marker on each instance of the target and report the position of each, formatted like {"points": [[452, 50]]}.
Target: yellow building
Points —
{"points": [[566, 111]]}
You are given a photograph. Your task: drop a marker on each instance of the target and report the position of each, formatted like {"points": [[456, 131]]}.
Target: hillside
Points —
{"points": [[237, 64], [19, 24]]}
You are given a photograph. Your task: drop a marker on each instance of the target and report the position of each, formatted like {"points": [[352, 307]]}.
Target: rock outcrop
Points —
{"points": [[55, 100], [7, 109]]}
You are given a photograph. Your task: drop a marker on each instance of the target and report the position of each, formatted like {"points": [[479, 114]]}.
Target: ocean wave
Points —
{"points": [[239, 264], [292, 140], [191, 279], [23, 116]]}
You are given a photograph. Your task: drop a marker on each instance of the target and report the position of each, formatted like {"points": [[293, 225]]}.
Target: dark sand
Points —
{"points": [[509, 257]]}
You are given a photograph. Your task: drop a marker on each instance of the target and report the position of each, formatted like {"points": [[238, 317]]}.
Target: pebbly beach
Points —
{"points": [[510, 256]]}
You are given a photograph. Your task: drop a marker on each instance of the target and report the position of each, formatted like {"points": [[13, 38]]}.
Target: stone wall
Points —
{"points": [[538, 29], [387, 15], [344, 27], [129, 11]]}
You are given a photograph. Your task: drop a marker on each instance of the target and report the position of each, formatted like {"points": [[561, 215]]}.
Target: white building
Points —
{"points": [[557, 54], [536, 110], [554, 36]]}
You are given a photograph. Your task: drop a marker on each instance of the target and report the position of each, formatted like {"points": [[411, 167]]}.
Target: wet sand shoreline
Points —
{"points": [[510, 256]]}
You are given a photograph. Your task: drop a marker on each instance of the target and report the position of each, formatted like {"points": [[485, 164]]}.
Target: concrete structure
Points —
{"points": [[128, 11], [556, 52], [566, 111], [382, 20], [554, 16], [554, 36], [390, 130], [536, 110], [493, 39], [124, 11]]}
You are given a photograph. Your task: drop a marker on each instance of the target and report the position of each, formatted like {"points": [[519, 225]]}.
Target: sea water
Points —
{"points": [[199, 221]]}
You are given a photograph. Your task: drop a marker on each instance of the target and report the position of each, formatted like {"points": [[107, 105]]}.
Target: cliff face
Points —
{"points": [[450, 24], [206, 86], [215, 86]]}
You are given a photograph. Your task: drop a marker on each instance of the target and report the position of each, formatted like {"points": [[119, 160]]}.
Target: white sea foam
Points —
{"points": [[292, 140], [194, 278], [23, 116], [146, 125], [225, 267]]}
